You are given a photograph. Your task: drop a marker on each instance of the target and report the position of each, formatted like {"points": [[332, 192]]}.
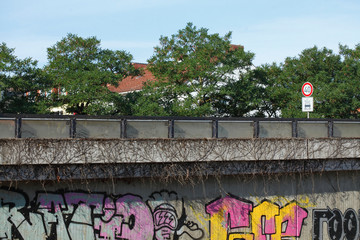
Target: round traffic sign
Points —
{"points": [[307, 89]]}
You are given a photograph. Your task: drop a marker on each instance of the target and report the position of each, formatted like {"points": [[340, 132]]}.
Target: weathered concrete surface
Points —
{"points": [[73, 151], [182, 172], [218, 189], [315, 206]]}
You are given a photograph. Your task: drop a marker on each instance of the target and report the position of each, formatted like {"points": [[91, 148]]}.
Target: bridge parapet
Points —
{"points": [[60, 127], [98, 147], [78, 151]]}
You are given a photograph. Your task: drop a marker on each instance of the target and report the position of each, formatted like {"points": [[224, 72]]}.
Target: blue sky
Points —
{"points": [[273, 30]]}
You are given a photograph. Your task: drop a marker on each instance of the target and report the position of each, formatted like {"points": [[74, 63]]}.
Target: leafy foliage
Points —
{"points": [[335, 78], [197, 72], [82, 71], [21, 83]]}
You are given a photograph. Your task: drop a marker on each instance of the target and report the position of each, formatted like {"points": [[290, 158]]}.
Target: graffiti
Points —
{"points": [[82, 215], [235, 218], [170, 220], [74, 215], [164, 215], [339, 226]]}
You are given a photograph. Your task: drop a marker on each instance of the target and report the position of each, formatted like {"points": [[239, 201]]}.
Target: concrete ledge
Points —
{"points": [[165, 171], [79, 151]]}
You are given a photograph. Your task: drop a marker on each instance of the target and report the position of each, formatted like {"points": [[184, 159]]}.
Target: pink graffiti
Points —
{"points": [[92, 200], [294, 221], [87, 215], [53, 202], [230, 215], [235, 209], [126, 217]]}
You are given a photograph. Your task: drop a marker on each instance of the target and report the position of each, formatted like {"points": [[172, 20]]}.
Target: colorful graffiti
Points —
{"points": [[234, 218], [170, 220], [81, 215], [164, 215]]}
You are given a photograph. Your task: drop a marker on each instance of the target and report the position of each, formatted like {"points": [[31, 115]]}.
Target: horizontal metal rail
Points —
{"points": [[54, 126]]}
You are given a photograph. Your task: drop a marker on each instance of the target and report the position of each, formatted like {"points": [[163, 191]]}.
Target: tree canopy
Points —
{"points": [[21, 82], [82, 71], [198, 74], [335, 78], [194, 69]]}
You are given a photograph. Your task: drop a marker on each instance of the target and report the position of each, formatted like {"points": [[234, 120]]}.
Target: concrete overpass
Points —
{"points": [[288, 178]]}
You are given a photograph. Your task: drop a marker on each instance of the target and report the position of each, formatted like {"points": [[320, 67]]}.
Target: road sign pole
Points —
{"points": [[307, 101]]}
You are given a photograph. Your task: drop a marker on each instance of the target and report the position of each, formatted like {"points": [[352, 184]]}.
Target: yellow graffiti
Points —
{"points": [[200, 218], [217, 227], [263, 219], [244, 236], [302, 201], [286, 212], [267, 220]]}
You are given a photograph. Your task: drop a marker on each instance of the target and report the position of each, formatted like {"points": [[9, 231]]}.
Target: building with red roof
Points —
{"points": [[134, 83]]}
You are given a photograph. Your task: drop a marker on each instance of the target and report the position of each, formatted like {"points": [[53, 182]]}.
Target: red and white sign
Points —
{"points": [[307, 89]]}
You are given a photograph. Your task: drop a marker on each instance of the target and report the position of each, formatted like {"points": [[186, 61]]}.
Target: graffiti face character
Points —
{"points": [[170, 218], [165, 221]]}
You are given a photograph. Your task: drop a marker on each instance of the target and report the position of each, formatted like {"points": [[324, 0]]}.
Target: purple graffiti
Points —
{"points": [[163, 216], [235, 209], [81, 215]]}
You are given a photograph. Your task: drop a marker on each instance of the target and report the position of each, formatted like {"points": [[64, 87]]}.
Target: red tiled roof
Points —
{"points": [[234, 47], [134, 83]]}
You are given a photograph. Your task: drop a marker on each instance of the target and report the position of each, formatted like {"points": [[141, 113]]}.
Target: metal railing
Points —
{"points": [[54, 126]]}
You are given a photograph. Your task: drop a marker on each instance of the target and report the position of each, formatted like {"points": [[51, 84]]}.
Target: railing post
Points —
{"points": [[123, 128], [171, 129], [215, 126], [330, 129], [73, 128], [18, 122], [294, 129], [256, 128]]}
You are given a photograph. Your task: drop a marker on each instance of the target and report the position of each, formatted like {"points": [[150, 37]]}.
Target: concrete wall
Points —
{"points": [[231, 189], [322, 205], [79, 151]]}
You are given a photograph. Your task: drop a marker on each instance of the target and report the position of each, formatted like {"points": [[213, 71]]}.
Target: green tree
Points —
{"points": [[197, 73], [335, 78], [82, 71], [21, 82]]}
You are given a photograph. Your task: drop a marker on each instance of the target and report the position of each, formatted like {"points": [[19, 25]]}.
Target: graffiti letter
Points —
{"points": [[227, 213], [290, 221], [263, 219], [82, 208], [127, 218], [319, 217], [51, 206], [335, 225], [351, 225], [13, 205]]}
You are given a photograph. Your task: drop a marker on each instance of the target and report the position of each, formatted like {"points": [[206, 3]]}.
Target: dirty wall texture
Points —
{"points": [[63, 151], [297, 206]]}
